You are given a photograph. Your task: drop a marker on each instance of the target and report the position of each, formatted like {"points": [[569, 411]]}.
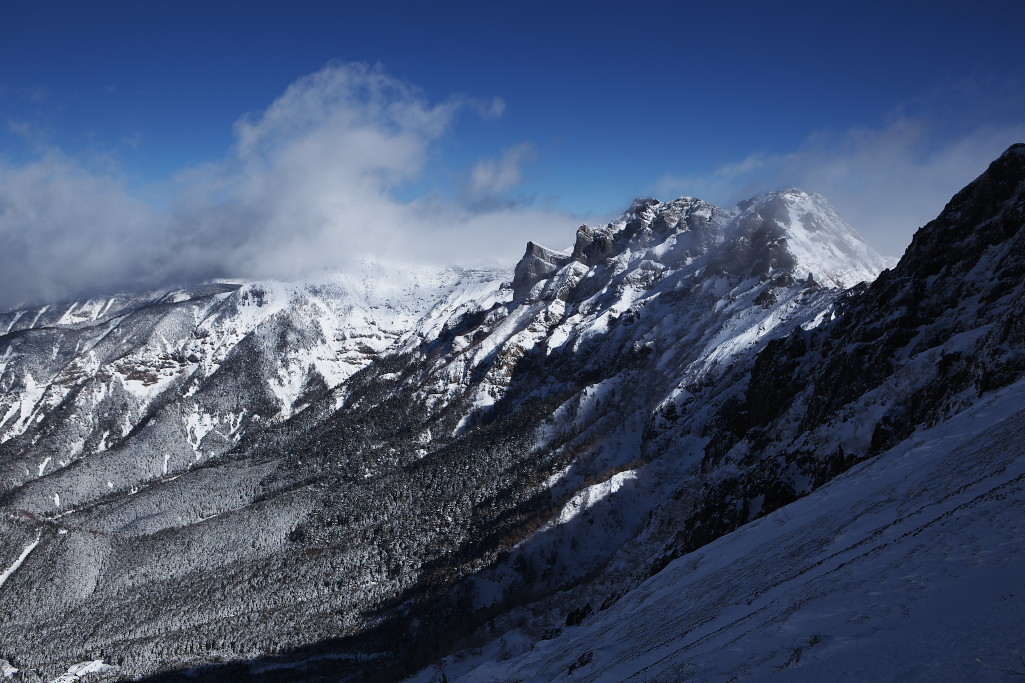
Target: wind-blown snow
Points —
{"points": [[824, 243]]}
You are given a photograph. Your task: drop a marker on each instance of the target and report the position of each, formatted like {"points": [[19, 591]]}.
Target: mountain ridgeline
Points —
{"points": [[384, 472]]}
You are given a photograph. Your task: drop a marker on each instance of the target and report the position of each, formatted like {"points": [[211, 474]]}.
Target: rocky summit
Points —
{"points": [[700, 443]]}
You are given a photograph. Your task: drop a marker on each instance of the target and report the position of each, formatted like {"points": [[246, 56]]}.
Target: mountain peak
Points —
{"points": [[801, 231], [642, 204], [1017, 149], [790, 194]]}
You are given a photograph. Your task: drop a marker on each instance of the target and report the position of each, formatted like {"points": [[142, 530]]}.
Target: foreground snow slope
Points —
{"points": [[908, 567]]}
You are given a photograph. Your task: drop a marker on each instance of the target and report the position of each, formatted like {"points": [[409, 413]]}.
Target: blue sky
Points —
{"points": [[517, 121]]}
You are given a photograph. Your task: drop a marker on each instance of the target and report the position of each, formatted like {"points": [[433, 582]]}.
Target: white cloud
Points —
{"points": [[310, 183], [886, 181], [493, 178], [496, 108], [64, 229]]}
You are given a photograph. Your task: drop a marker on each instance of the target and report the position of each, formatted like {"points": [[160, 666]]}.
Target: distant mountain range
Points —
{"points": [[701, 444]]}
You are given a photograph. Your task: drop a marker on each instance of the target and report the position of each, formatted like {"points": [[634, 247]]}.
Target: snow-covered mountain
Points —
{"points": [[633, 457], [81, 377]]}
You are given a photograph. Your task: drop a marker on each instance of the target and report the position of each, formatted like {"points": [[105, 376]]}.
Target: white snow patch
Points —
{"points": [[68, 317], [556, 478], [17, 316], [38, 315], [77, 671], [835, 253], [590, 496], [21, 559], [147, 390], [27, 404]]}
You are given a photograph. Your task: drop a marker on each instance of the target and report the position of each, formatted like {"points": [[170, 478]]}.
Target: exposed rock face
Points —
{"points": [[356, 475], [537, 264]]}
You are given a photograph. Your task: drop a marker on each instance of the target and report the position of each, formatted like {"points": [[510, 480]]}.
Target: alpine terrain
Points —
{"points": [[699, 444]]}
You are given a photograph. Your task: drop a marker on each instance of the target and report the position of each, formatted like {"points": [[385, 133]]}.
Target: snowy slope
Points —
{"points": [[83, 383], [760, 559], [907, 567], [817, 238]]}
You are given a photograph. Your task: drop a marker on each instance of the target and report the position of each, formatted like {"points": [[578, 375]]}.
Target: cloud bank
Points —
{"points": [[64, 229], [310, 183], [887, 181]]}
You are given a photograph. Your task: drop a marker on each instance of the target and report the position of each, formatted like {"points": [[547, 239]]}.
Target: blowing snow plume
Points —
{"points": [[310, 183]]}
